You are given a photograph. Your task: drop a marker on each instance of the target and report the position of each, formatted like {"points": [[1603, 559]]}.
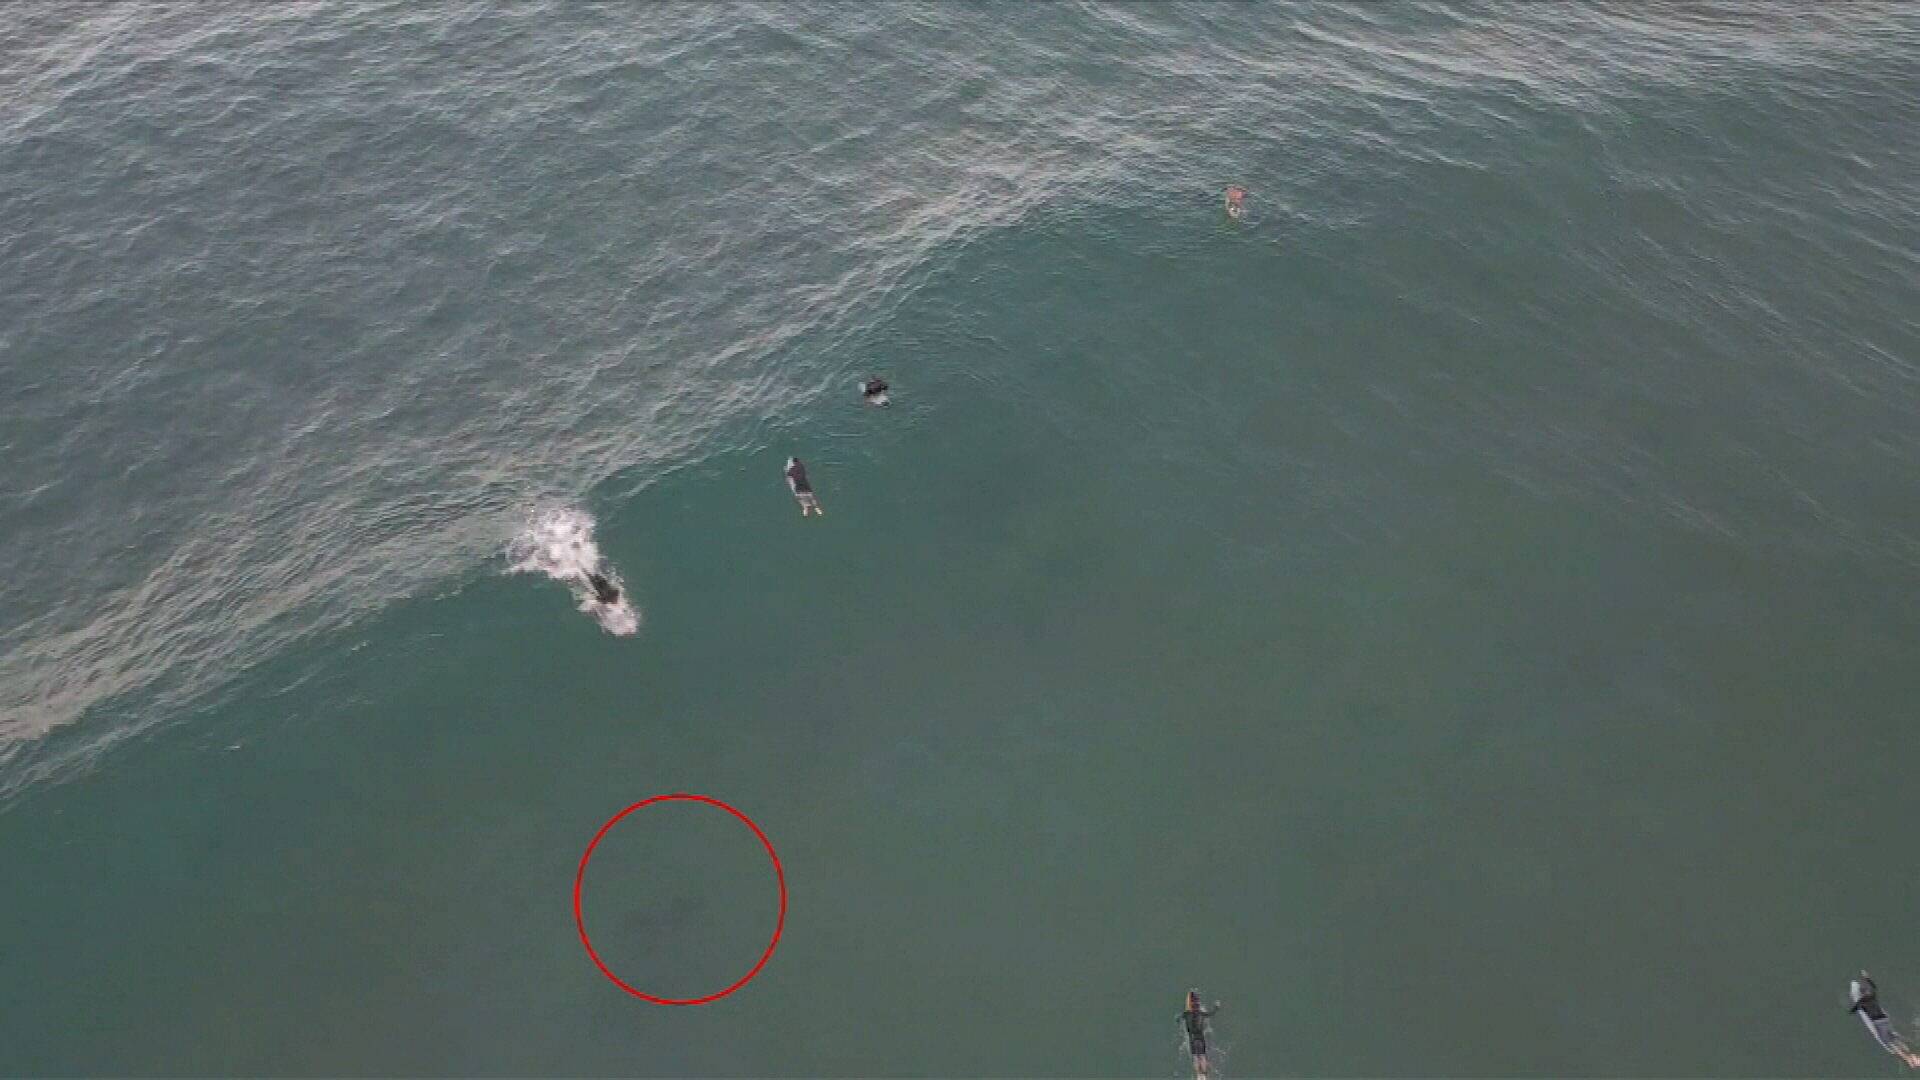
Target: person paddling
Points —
{"points": [[802, 488], [1195, 1019], [1866, 1004]]}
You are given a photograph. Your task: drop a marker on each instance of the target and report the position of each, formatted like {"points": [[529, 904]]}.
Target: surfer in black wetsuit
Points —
{"points": [[1195, 1019], [875, 391], [1866, 1003], [603, 590], [802, 488], [1866, 998]]}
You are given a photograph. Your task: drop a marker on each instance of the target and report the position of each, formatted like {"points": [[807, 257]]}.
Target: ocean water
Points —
{"points": [[1465, 616]]}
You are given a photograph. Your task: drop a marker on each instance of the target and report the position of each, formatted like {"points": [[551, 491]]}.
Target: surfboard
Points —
{"points": [[1882, 1031]]}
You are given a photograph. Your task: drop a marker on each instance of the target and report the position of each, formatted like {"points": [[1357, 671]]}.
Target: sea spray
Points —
{"points": [[558, 543]]}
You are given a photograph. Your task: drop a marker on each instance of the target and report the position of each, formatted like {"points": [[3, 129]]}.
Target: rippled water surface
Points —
{"points": [[1462, 615]]}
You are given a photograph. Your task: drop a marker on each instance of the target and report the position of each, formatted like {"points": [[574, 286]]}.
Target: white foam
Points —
{"points": [[558, 543]]}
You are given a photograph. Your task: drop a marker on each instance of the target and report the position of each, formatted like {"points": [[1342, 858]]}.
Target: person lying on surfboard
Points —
{"points": [[802, 489], [1195, 1019], [1866, 1003], [1236, 202]]}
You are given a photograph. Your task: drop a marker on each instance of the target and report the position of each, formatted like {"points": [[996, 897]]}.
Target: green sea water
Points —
{"points": [[1462, 616]]}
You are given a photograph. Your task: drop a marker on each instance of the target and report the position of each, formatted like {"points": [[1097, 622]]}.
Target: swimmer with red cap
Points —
{"points": [[1236, 203]]}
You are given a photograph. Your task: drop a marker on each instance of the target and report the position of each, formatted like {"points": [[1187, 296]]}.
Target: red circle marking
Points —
{"points": [[581, 922]]}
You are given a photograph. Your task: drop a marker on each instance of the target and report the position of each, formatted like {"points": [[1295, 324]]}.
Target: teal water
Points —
{"points": [[1462, 616]]}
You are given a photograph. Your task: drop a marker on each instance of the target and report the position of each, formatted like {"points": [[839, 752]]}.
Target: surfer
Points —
{"points": [[875, 391], [802, 489], [1195, 1019], [603, 590], [1866, 1003], [1236, 203]]}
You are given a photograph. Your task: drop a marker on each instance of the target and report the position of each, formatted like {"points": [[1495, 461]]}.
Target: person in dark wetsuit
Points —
{"points": [[1195, 1019], [802, 488], [1866, 1003], [1866, 998], [603, 590], [875, 391]]}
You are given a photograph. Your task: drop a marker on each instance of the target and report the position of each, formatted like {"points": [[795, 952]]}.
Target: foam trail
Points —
{"points": [[559, 544], [1188, 1068], [1216, 1057]]}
